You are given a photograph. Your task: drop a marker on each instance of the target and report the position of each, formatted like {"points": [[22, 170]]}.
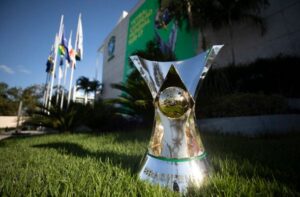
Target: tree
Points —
{"points": [[94, 87], [11, 97], [219, 13], [3, 90], [14, 94], [7, 106], [88, 86], [31, 97], [83, 83], [135, 100]]}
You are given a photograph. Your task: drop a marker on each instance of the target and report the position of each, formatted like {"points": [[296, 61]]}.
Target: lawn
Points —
{"points": [[106, 165]]}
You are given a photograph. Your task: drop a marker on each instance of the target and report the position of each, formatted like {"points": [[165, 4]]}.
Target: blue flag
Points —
{"points": [[50, 61], [63, 48]]}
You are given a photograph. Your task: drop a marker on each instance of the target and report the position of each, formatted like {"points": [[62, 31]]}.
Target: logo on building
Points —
{"points": [[111, 47]]}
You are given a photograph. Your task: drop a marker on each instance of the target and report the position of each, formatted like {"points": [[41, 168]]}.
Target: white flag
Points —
{"points": [[71, 51], [79, 40]]}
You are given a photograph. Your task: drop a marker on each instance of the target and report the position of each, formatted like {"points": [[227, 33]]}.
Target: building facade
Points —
{"points": [[147, 21], [113, 50]]}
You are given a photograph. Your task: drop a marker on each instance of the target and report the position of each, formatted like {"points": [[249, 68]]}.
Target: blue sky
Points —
{"points": [[28, 27]]}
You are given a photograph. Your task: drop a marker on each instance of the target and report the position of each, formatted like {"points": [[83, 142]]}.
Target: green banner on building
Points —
{"points": [[150, 22]]}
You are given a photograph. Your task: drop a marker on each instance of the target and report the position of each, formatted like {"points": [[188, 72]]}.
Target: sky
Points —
{"points": [[28, 28]]}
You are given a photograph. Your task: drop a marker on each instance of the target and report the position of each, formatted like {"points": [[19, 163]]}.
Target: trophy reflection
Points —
{"points": [[176, 157]]}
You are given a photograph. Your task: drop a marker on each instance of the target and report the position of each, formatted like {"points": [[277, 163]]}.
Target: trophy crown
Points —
{"points": [[191, 71]]}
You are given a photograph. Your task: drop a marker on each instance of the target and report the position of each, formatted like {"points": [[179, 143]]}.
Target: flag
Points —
{"points": [[50, 61], [72, 56], [79, 40], [63, 48], [49, 64], [72, 53]]}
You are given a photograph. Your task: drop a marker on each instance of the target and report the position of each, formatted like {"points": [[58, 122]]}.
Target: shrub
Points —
{"points": [[102, 117], [250, 89], [241, 104], [63, 120], [278, 75]]}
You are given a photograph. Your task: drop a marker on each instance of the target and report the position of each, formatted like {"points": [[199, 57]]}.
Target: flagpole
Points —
{"points": [[58, 83], [64, 83], [49, 69], [55, 57], [46, 90], [73, 63], [65, 75], [70, 84], [51, 73]]}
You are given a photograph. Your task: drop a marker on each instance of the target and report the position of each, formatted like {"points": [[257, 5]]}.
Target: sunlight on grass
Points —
{"points": [[107, 164]]}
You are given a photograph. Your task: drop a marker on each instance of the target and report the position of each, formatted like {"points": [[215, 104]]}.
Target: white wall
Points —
{"points": [[9, 121], [113, 69]]}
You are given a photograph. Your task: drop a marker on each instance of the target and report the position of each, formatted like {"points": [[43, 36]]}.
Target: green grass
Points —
{"points": [[106, 165]]}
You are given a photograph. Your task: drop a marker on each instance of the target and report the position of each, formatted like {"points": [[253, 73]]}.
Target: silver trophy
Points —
{"points": [[176, 157]]}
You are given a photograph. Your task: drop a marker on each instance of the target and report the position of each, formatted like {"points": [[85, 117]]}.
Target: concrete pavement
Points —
{"points": [[8, 134]]}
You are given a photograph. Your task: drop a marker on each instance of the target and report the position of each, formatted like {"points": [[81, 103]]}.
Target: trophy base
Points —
{"points": [[176, 174]]}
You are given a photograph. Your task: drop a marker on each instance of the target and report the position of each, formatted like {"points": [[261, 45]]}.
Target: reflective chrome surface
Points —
{"points": [[191, 71], [175, 137], [173, 102], [176, 175], [176, 156]]}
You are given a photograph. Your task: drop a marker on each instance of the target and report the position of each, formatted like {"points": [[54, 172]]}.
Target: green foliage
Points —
{"points": [[219, 13], [3, 89], [31, 97], [95, 85], [85, 84], [136, 99], [98, 116], [101, 117], [8, 104], [106, 165], [64, 120], [242, 104], [250, 89], [278, 75], [7, 107], [11, 97]]}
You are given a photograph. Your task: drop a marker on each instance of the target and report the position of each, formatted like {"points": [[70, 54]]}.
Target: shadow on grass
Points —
{"points": [[125, 161], [142, 135], [267, 157], [6, 141]]}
